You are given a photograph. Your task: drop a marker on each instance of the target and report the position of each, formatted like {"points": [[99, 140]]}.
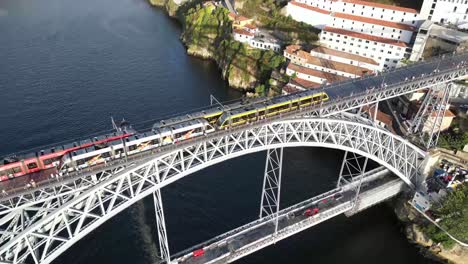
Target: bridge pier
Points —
{"points": [[270, 201], [428, 121], [161, 226], [353, 168]]}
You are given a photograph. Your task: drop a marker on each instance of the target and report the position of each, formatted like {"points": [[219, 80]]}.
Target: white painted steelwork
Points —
{"points": [[41, 232]]}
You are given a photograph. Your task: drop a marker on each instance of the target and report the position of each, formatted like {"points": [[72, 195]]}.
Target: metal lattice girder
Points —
{"points": [[338, 105], [40, 232], [271, 193], [352, 168], [428, 121], [161, 226]]}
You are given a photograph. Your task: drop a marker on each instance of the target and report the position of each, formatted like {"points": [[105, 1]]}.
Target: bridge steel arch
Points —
{"points": [[58, 224]]}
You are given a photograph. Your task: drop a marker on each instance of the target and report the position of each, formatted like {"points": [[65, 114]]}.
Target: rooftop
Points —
{"points": [[305, 83], [250, 26], [379, 5], [445, 33], [243, 32], [330, 77], [291, 89], [365, 36], [381, 116], [329, 64], [309, 7], [375, 21], [345, 55]]}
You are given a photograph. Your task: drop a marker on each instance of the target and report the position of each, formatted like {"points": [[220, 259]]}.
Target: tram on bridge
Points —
{"points": [[126, 141]]}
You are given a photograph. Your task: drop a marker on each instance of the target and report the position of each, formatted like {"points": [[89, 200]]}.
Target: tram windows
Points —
{"points": [[155, 142], [306, 101], [106, 155], [32, 165], [132, 147], [50, 161], [13, 170], [80, 162], [3, 173], [251, 116]]}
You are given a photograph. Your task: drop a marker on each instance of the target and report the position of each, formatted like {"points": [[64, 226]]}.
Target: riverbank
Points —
{"points": [[414, 224]]}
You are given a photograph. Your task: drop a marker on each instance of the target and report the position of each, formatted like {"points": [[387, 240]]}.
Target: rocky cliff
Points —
{"points": [[413, 229], [171, 6], [207, 34]]}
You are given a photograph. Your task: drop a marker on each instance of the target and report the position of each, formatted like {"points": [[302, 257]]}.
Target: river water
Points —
{"points": [[66, 66]]}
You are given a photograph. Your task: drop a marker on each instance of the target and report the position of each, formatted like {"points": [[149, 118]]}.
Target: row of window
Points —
{"points": [[363, 7], [361, 46], [359, 39]]}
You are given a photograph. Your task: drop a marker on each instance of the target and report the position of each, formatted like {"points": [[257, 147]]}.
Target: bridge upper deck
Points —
{"points": [[338, 93]]}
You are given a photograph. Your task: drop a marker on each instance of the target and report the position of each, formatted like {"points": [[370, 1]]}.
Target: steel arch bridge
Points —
{"points": [[38, 233]]}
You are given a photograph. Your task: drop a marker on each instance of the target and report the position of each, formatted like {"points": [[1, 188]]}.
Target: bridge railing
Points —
{"points": [[256, 223], [66, 177]]}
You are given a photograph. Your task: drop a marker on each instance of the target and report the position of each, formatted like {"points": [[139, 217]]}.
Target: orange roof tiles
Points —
{"points": [[379, 5], [381, 116], [319, 74], [250, 26], [375, 21], [312, 8], [291, 89], [448, 113], [305, 83], [338, 66], [345, 55], [243, 32], [365, 36]]}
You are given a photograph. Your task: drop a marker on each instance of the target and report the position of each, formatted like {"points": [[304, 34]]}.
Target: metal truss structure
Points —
{"points": [[428, 121], [39, 232], [353, 168], [38, 225], [82, 180], [271, 193]]}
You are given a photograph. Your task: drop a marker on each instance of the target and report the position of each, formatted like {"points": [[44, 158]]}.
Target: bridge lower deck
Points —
{"points": [[261, 233]]}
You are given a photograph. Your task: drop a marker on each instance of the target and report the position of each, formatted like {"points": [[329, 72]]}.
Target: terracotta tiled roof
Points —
{"points": [[448, 113], [243, 32], [292, 48], [250, 26], [291, 89], [345, 55], [232, 15], [305, 83], [242, 18], [375, 21], [365, 36], [330, 77], [334, 65], [381, 116], [312, 8], [379, 5]]}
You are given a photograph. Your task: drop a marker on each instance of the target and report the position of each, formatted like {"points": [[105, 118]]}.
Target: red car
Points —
{"points": [[311, 212], [198, 252]]}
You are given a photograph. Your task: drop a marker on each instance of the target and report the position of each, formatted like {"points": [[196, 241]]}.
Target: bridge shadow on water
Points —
{"points": [[227, 195]]}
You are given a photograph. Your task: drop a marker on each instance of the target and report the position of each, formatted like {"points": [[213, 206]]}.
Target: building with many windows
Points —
{"points": [[376, 31], [445, 11]]}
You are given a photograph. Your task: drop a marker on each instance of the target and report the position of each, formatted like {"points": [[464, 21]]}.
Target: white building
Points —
{"points": [[305, 59], [445, 11], [242, 35], [256, 39], [376, 31], [387, 52], [345, 57]]}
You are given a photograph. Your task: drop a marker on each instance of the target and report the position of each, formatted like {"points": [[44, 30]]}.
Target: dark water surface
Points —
{"points": [[67, 65]]}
